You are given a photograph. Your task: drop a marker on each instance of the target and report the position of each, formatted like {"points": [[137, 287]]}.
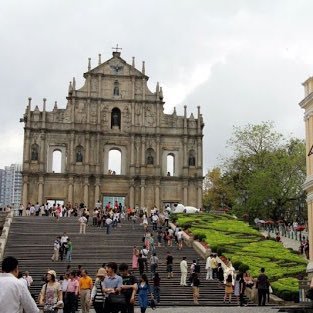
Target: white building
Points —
{"points": [[11, 185]]}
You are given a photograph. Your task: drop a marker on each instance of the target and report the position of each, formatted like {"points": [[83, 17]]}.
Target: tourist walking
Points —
{"points": [[169, 265], [82, 222], [69, 249], [111, 285], [14, 296], [156, 287], [195, 288], [228, 288], [141, 264], [144, 252], [85, 287], [262, 284], [71, 294], [51, 293], [56, 248], [144, 291], [183, 271], [220, 274], [97, 293], [135, 258], [129, 288], [208, 267], [154, 263]]}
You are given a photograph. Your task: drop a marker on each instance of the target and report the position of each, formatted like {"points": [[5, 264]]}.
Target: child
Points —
{"points": [[228, 288]]}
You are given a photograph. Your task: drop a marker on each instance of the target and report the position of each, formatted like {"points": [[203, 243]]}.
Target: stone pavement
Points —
{"points": [[287, 242], [199, 309]]}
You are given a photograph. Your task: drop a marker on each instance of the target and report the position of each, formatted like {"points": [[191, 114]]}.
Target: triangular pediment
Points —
{"points": [[116, 66]]}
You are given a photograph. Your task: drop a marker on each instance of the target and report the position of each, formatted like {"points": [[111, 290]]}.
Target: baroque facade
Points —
{"points": [[114, 110]]}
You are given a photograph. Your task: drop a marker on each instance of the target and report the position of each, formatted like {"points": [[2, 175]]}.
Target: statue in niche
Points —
{"points": [[116, 90], [150, 160], [35, 153], [192, 160], [116, 118], [79, 155]]}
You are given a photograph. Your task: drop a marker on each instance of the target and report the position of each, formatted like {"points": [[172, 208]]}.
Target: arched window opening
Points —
{"points": [[115, 162], [170, 164], [116, 90], [79, 154], [192, 158], [150, 156], [57, 161], [35, 152], [116, 118]]}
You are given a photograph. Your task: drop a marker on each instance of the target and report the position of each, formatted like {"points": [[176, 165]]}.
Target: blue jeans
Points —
{"points": [[69, 256]]}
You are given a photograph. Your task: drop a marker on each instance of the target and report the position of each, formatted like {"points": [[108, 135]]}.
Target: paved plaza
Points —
{"points": [[200, 309]]}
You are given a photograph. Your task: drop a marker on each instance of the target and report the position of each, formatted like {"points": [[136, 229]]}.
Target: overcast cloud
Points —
{"points": [[241, 61]]}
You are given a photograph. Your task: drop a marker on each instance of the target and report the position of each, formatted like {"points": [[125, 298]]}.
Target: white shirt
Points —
{"points": [[82, 220], [208, 263], [14, 296], [29, 280], [183, 266], [64, 239]]}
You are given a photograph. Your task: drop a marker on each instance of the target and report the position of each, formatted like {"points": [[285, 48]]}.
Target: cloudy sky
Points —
{"points": [[242, 61]]}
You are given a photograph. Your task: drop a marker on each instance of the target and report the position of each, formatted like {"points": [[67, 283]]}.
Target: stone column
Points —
{"points": [[199, 153], [40, 190], [142, 193], [143, 150], [70, 191], [185, 192], [86, 192], [97, 190], [310, 222], [43, 153], [157, 194], [199, 197], [158, 151], [25, 191], [132, 194], [87, 153]]}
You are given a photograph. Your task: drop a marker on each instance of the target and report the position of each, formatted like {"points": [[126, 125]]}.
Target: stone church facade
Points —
{"points": [[113, 111]]}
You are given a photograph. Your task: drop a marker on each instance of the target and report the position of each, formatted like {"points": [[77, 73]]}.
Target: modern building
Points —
{"points": [[113, 142], [11, 185]]}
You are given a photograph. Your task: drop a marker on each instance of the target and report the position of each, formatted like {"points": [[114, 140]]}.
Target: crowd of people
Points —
{"points": [[115, 287]]}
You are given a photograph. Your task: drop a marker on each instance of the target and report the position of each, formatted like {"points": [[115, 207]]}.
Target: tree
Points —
{"points": [[266, 171], [217, 193]]}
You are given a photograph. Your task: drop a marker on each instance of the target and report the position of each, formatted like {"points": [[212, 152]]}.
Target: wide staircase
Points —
{"points": [[31, 242]]}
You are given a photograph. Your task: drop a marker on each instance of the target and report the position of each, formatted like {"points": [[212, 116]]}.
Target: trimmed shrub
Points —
{"points": [[243, 268], [237, 264]]}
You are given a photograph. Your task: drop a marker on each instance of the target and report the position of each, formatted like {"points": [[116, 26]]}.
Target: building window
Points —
{"points": [[116, 118], [115, 162], [170, 164], [56, 161], [191, 158]]}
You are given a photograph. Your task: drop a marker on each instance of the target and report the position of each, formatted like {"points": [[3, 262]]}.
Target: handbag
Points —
{"points": [[270, 290], [152, 304], [116, 299]]}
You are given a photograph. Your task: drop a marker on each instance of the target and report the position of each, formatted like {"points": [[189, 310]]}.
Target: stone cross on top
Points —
{"points": [[116, 48]]}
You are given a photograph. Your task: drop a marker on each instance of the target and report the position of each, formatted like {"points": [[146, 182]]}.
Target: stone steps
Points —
{"points": [[31, 241]]}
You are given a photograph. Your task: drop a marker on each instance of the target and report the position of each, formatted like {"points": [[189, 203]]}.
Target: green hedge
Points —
{"points": [[246, 247]]}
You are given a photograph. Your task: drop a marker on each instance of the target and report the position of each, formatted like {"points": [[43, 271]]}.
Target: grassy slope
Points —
{"points": [[242, 243]]}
